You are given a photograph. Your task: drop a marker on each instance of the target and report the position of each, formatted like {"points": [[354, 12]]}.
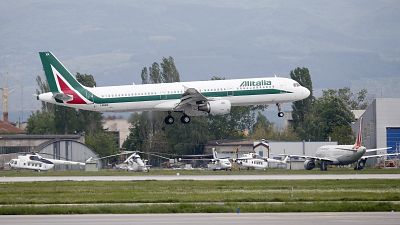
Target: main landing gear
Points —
{"points": [[170, 119], [280, 113]]}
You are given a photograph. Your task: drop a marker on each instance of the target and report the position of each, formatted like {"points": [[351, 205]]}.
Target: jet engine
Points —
{"points": [[218, 107], [309, 164]]}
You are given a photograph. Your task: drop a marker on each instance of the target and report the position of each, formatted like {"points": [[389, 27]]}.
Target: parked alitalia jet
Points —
{"points": [[198, 98], [341, 155]]}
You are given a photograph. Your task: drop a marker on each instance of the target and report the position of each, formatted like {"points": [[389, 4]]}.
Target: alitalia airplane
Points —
{"points": [[198, 98]]}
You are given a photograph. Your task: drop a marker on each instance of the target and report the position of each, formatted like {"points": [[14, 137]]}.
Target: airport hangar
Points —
{"points": [[380, 126]]}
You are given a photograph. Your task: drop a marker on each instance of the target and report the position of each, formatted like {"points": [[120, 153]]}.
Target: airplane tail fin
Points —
{"points": [[62, 83], [215, 156], [358, 143], [285, 160], [56, 74]]}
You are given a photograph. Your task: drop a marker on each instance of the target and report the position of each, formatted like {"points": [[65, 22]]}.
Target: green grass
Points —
{"points": [[201, 208], [22, 173], [199, 196]]}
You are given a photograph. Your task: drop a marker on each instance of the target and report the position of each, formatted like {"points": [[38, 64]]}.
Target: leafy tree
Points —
{"points": [[343, 134], [102, 143], [264, 129], [352, 100], [155, 74], [41, 122], [329, 113], [169, 72], [303, 107], [144, 76]]}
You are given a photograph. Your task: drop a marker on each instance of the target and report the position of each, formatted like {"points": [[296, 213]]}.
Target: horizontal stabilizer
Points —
{"points": [[62, 97]]}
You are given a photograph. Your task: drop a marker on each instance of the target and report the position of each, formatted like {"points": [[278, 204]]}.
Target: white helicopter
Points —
{"points": [[33, 161], [132, 163], [253, 160]]}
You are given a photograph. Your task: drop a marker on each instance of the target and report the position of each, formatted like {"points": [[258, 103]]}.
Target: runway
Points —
{"points": [[204, 177], [364, 218]]}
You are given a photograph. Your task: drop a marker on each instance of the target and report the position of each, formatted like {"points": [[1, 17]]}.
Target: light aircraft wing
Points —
{"points": [[191, 96]]}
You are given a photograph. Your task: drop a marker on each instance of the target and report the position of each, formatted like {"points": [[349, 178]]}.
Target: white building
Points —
{"points": [[118, 125]]}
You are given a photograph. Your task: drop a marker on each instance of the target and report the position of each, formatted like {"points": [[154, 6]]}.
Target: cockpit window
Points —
{"points": [[296, 84]]}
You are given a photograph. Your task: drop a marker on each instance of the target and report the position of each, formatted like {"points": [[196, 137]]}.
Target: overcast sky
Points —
{"points": [[343, 43]]}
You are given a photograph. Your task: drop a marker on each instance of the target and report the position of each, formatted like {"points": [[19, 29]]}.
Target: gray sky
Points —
{"points": [[343, 43]]}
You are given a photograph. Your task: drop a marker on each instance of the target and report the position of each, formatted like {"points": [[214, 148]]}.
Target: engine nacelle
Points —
{"points": [[309, 164], [218, 107]]}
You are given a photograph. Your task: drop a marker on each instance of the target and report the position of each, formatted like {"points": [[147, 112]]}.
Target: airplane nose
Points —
{"points": [[306, 92]]}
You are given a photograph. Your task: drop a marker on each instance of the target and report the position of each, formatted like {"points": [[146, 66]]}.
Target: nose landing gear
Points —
{"points": [[280, 113]]}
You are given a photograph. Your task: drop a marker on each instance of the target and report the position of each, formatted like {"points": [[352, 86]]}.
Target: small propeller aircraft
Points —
{"points": [[219, 163], [253, 160], [33, 161]]}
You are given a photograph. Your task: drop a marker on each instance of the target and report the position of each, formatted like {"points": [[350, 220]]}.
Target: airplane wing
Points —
{"points": [[313, 157], [191, 96], [378, 156]]}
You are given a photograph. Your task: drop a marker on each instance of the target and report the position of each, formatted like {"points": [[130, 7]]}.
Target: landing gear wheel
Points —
{"points": [[185, 119], [360, 164], [323, 166], [169, 120], [280, 113]]}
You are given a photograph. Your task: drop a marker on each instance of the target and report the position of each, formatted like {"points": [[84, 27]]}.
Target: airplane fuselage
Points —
{"points": [[166, 96], [220, 164], [340, 154]]}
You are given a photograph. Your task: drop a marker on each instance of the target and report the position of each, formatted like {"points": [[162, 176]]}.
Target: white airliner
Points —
{"points": [[341, 155], [36, 162], [255, 161], [199, 98]]}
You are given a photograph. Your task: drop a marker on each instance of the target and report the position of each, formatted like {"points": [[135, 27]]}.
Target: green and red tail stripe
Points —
{"points": [[358, 143], [60, 80]]}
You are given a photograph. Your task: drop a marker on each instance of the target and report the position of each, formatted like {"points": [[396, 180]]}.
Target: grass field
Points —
{"points": [[199, 196]]}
